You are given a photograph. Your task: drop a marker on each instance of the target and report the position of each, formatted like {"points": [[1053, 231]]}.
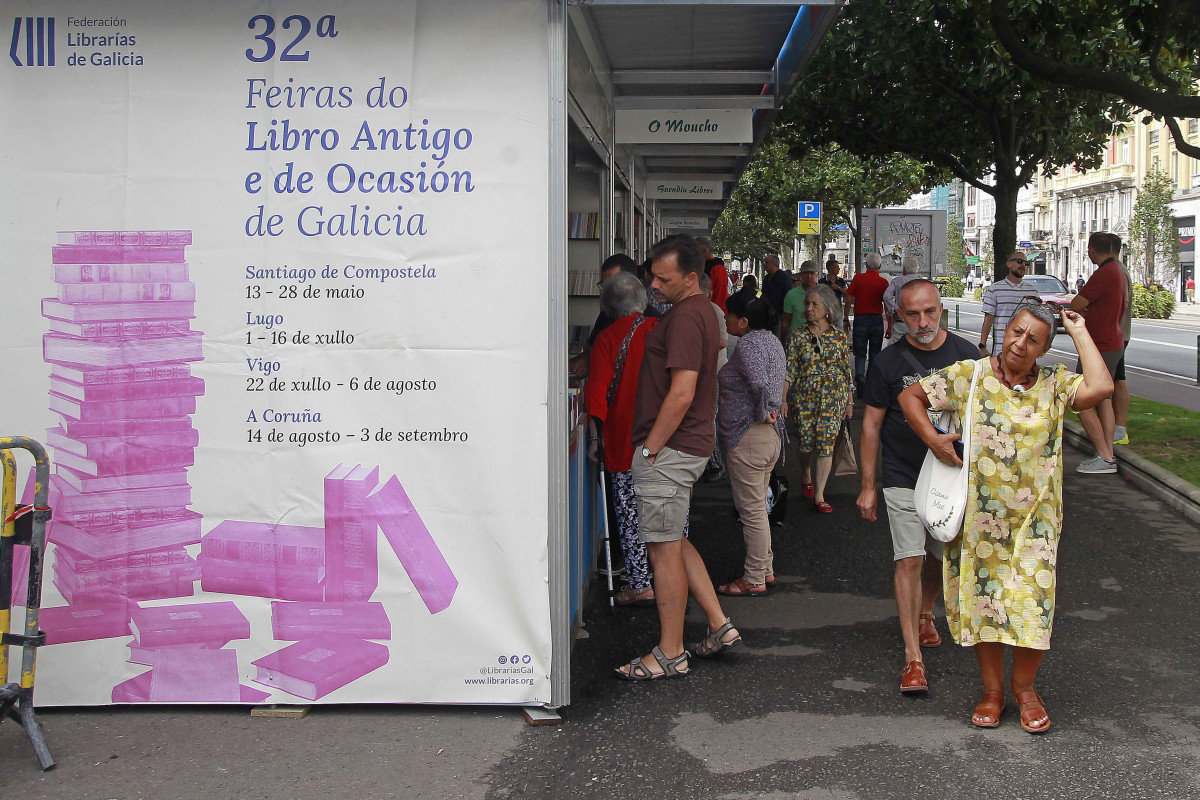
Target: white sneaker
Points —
{"points": [[1120, 435], [1097, 466]]}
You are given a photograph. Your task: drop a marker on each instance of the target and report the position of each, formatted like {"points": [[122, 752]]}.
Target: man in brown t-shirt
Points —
{"points": [[672, 440]]}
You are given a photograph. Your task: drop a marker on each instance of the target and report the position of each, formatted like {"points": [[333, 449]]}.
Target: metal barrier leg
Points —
{"points": [[20, 704]]}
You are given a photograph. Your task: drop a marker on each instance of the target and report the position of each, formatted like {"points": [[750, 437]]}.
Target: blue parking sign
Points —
{"points": [[808, 218]]}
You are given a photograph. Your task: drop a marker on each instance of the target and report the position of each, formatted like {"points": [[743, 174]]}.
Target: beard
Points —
{"points": [[925, 335]]}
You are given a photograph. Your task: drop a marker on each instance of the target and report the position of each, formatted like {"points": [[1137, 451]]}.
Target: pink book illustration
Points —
{"points": [[419, 554], [138, 373], [317, 665], [261, 579], [67, 500], [117, 254], [293, 621], [121, 273], [156, 238], [146, 655], [85, 622], [53, 308], [126, 292], [115, 483], [111, 446], [264, 543], [118, 329], [123, 458], [194, 676], [126, 582], [137, 690], [58, 348], [134, 390], [351, 539], [163, 626], [128, 536], [81, 565], [149, 590]]}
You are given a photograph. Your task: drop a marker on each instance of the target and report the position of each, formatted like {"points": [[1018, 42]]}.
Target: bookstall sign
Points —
{"points": [[685, 126], [686, 190], [245, 256]]}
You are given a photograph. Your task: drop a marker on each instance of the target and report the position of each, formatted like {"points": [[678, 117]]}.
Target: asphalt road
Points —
{"points": [[1160, 363], [807, 710]]}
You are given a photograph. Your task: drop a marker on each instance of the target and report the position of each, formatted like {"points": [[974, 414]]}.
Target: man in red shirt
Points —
{"points": [[1103, 300], [867, 290], [714, 268]]}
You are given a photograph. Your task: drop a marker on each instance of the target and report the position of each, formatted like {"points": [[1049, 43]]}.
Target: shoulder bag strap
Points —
{"points": [[967, 416], [619, 366], [908, 356]]}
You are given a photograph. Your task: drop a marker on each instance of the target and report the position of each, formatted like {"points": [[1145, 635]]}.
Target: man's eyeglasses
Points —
{"points": [[1034, 300], [1020, 261]]}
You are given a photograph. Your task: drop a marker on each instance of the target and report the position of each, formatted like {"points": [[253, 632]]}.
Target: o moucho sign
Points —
{"points": [[256, 263]]}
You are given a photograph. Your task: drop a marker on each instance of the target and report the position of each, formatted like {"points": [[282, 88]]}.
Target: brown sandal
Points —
{"points": [[740, 588], [991, 706], [927, 632], [913, 678], [1032, 708]]}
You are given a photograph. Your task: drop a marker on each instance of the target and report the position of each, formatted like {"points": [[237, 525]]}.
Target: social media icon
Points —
{"points": [[526, 659], [503, 660]]}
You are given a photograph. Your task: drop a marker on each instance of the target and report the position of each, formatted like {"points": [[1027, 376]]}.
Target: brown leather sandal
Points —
{"points": [[913, 678], [1032, 708], [927, 632], [989, 708]]}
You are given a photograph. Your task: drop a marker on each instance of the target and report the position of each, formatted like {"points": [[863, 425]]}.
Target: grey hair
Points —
{"points": [[706, 243], [705, 283], [774, 259], [1042, 312], [873, 260], [621, 295], [833, 307], [909, 265]]}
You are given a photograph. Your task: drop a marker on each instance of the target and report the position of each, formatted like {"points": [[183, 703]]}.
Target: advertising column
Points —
{"points": [[274, 296]]}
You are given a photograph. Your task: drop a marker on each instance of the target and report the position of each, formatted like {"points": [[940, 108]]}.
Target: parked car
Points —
{"points": [[1051, 290]]}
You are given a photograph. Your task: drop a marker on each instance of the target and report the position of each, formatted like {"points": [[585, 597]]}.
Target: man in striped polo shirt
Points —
{"points": [[1001, 299]]}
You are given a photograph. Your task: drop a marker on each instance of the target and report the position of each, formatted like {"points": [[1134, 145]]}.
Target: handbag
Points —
{"points": [[844, 460], [941, 492]]}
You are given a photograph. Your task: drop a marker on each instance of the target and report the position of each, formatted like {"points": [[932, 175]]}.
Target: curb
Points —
{"points": [[1180, 495]]}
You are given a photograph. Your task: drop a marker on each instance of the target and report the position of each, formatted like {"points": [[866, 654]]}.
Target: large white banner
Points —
{"points": [[274, 297]]}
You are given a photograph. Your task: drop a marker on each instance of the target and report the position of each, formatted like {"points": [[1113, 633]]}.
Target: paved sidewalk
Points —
{"points": [[808, 710]]}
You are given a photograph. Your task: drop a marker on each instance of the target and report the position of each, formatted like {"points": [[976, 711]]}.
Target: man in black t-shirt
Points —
{"points": [[925, 349]]}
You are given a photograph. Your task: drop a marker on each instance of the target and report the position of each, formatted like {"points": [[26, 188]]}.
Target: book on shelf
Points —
{"points": [[127, 292], [419, 554], [583, 225], [133, 390], [110, 238], [125, 538], [117, 254], [137, 690], [176, 272], [120, 483], [120, 329], [261, 580], [583, 282], [264, 543], [85, 622], [146, 655], [53, 308], [351, 539], [126, 459], [156, 558], [294, 621], [57, 348], [319, 664], [137, 373], [188, 623], [195, 676]]}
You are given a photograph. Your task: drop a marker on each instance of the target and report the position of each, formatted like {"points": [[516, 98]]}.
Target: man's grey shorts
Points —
{"points": [[909, 537], [1111, 359], [664, 492]]}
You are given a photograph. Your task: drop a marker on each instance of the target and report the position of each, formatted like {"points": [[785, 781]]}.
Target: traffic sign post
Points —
{"points": [[808, 219]]}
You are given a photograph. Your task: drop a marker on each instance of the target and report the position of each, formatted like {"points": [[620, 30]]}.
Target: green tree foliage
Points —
{"points": [[956, 261], [1152, 303], [1153, 241], [1144, 51], [933, 82]]}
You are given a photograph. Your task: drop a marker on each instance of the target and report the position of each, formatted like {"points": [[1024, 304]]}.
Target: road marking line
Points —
{"points": [[1130, 366]]}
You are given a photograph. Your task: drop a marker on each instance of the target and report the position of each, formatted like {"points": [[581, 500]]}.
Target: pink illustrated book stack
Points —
{"points": [[120, 346]]}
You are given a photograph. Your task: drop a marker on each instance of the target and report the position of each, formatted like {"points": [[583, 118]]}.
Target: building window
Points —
{"points": [[1193, 126], [1125, 150], [970, 195], [970, 220], [1154, 136]]}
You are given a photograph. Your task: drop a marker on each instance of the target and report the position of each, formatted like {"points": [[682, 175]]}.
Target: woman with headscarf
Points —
{"points": [[1000, 573], [820, 389]]}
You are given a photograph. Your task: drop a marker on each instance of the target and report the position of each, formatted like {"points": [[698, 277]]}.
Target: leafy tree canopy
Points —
{"points": [[1153, 240]]}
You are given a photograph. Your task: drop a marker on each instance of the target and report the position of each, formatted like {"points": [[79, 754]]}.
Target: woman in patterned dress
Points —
{"points": [[1000, 573], [820, 388]]}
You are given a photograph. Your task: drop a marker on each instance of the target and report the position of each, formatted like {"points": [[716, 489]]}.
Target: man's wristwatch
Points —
{"points": [[646, 452], [983, 345]]}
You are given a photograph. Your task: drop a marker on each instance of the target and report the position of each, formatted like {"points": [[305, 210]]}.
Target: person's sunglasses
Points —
{"points": [[1034, 300], [1020, 261]]}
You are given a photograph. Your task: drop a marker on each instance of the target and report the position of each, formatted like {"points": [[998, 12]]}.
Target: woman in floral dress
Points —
{"points": [[820, 389], [1000, 573]]}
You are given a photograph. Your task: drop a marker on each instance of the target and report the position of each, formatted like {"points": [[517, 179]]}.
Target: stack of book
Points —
{"points": [[119, 347], [284, 562], [351, 538], [185, 646]]}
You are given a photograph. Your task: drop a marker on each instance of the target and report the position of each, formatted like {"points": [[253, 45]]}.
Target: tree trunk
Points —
{"points": [[1004, 233], [1150, 256]]}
